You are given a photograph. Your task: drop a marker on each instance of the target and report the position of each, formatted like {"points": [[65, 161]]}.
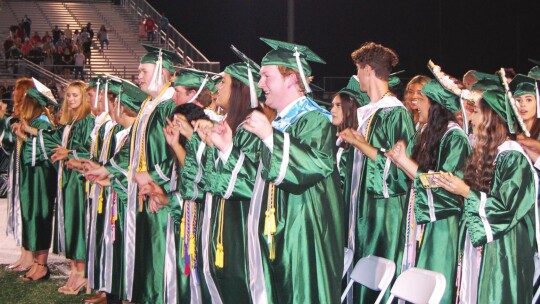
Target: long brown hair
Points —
{"points": [[418, 79], [350, 118], [84, 110], [21, 86], [426, 149], [239, 104], [492, 132]]}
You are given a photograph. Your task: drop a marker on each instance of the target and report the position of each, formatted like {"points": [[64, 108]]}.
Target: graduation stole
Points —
{"points": [[102, 118], [104, 155], [188, 227]]}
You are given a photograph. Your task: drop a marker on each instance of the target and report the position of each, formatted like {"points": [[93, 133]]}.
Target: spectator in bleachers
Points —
{"points": [[76, 38], [57, 60], [164, 25], [36, 38], [46, 38], [67, 62], [90, 30], [27, 26], [26, 47], [103, 38], [35, 54], [87, 50], [20, 32], [67, 32], [142, 28], [78, 60], [48, 50], [15, 53], [56, 34], [8, 43], [150, 27]]}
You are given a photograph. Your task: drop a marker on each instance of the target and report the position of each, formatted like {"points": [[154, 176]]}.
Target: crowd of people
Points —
{"points": [[62, 51], [239, 187]]}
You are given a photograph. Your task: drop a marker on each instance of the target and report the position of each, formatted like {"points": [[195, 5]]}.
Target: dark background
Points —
{"points": [[457, 35]]}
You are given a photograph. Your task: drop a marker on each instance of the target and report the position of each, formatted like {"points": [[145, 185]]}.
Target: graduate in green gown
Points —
{"points": [[123, 110], [500, 188], [434, 214], [295, 231], [37, 191], [72, 140], [228, 182], [376, 189], [9, 145]]}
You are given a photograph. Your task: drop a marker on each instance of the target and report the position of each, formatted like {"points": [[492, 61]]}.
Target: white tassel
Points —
{"points": [[106, 96], [537, 101], [97, 94], [157, 79], [464, 113], [299, 64], [200, 89], [252, 92], [118, 99]]}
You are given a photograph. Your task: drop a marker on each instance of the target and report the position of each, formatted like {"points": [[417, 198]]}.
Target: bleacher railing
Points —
{"points": [[172, 39], [25, 68]]}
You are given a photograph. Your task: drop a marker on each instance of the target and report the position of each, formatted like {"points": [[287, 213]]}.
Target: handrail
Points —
{"points": [[44, 73]]}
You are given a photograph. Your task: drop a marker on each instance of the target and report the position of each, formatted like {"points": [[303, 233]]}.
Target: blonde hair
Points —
{"points": [[84, 109], [286, 71]]}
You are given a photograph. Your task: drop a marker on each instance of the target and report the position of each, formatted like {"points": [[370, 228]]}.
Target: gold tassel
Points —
{"points": [[192, 244], [100, 202], [219, 256], [220, 249], [182, 230], [270, 220]]}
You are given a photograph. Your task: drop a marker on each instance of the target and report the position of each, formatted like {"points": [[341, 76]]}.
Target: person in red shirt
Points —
{"points": [[150, 26], [36, 38]]}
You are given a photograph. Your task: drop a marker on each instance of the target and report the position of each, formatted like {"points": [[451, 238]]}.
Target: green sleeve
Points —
{"points": [[33, 151], [489, 216], [119, 163], [175, 206], [79, 138], [301, 156], [389, 126], [159, 157], [437, 203], [235, 179], [192, 173]]}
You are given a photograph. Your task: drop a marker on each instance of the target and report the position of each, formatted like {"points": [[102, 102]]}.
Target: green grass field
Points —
{"points": [[15, 290]]}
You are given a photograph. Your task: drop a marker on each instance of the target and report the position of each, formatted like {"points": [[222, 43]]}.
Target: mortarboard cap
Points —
{"points": [[248, 73], [169, 58], [436, 92], [193, 78], [353, 89], [293, 56], [45, 91]]}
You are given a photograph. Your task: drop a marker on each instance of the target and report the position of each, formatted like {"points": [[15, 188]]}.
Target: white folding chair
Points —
{"points": [[373, 272], [349, 256], [418, 286]]}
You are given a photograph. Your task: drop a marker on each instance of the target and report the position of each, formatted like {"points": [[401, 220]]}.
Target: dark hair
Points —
{"points": [[426, 149], [379, 57], [191, 112], [535, 129], [350, 119], [239, 104], [480, 167]]}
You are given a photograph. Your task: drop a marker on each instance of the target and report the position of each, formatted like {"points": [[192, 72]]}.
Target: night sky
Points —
{"points": [[458, 35]]}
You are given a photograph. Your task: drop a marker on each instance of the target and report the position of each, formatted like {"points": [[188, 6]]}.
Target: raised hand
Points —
{"points": [[221, 136], [258, 124]]}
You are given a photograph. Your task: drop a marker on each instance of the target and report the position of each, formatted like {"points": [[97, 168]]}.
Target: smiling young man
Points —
{"points": [[296, 213], [377, 188]]}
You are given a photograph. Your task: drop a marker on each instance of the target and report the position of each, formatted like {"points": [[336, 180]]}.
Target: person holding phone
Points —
{"points": [[433, 213]]}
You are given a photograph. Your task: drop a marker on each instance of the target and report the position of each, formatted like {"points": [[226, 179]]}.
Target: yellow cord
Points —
{"points": [[219, 248]]}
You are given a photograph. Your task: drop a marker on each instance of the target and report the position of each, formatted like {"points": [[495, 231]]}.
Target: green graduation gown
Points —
{"points": [[377, 189], [70, 220], [302, 262], [37, 192], [229, 188], [9, 145], [437, 216], [501, 224]]}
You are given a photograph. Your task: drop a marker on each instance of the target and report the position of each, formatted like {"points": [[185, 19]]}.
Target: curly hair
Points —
{"points": [[492, 132], [426, 149], [379, 57]]}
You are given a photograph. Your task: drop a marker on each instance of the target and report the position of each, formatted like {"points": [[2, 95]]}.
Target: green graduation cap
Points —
{"points": [[131, 96], [498, 101], [193, 78], [248, 73], [41, 99], [537, 62], [45, 91], [353, 89], [436, 92], [535, 73], [486, 81], [168, 58], [293, 56], [213, 82], [523, 85]]}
